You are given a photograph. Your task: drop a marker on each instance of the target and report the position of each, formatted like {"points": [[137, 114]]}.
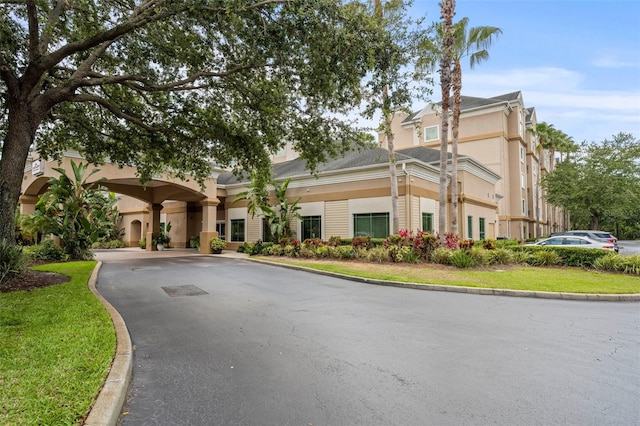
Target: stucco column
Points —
{"points": [[209, 214], [28, 204], [154, 225]]}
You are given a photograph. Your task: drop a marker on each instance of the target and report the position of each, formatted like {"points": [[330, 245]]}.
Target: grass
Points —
{"points": [[56, 347], [563, 280]]}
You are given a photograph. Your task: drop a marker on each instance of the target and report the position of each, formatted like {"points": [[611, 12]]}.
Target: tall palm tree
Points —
{"points": [[472, 43], [447, 11]]}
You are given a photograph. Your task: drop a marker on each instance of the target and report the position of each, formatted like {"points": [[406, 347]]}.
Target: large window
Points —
{"points": [[470, 227], [376, 225], [266, 230], [427, 222], [237, 230], [311, 227], [431, 133], [481, 226]]}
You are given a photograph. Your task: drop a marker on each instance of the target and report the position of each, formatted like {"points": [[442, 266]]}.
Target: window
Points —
{"points": [[311, 227], [237, 230], [481, 226], [431, 133], [427, 222], [524, 207], [522, 154], [266, 230], [376, 225], [470, 227], [220, 228], [522, 181]]}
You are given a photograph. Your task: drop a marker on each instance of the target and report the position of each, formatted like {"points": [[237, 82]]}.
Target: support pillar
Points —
{"points": [[154, 225], [209, 214], [28, 204]]}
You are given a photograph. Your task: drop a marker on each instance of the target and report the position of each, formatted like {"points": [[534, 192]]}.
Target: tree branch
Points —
{"points": [[34, 36], [113, 109], [53, 17], [141, 84]]}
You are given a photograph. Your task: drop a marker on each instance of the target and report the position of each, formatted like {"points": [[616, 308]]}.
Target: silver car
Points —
{"points": [[575, 241], [601, 236]]}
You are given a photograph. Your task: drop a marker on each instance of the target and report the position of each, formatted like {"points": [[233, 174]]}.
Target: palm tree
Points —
{"points": [[447, 10], [473, 44], [552, 140]]}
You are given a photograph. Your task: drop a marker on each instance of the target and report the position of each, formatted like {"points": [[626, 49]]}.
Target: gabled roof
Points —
{"points": [[470, 102], [355, 158]]}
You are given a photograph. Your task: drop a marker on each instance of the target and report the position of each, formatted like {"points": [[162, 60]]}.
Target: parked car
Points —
{"points": [[574, 241], [601, 236]]}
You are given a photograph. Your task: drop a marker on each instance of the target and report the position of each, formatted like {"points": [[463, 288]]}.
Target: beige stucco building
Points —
{"points": [[495, 132], [500, 167]]}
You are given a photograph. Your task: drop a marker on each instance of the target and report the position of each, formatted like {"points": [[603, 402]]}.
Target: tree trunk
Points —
{"points": [[14, 157], [457, 88], [446, 13], [394, 179]]}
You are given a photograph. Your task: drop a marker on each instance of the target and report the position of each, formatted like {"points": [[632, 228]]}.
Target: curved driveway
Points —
{"points": [[263, 345]]}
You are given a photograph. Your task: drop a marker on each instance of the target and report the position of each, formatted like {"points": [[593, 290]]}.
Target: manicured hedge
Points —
{"points": [[570, 256]]}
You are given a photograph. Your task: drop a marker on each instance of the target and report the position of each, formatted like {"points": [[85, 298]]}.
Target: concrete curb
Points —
{"points": [[633, 297], [108, 405]]}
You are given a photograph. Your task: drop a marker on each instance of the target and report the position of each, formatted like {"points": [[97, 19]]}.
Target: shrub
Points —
{"points": [[108, 244], [313, 242], [361, 242], [489, 244], [461, 259], [292, 250], [242, 248], [275, 250], [309, 252], [12, 261], [451, 241], [217, 244], [194, 241], [502, 256], [507, 243], [466, 244], [569, 256], [425, 244], [631, 264], [142, 243], [545, 258], [406, 255], [335, 241], [47, 250], [610, 262], [345, 252], [441, 255], [378, 254], [521, 257], [480, 256]]}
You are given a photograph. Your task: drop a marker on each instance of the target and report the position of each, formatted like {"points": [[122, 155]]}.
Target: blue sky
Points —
{"points": [[576, 61]]}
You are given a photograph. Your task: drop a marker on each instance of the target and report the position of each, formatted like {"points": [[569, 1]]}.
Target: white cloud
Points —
{"points": [[615, 58]]}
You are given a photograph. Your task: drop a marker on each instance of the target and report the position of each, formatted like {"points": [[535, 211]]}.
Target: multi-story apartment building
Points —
{"points": [[496, 132]]}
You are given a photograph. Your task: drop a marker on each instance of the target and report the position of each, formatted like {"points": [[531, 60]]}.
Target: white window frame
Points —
{"points": [[437, 133]]}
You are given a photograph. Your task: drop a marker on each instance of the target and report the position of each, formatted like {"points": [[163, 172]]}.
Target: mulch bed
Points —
{"points": [[31, 279]]}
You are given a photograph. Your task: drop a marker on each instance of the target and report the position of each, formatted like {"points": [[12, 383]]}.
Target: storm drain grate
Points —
{"points": [[184, 290]]}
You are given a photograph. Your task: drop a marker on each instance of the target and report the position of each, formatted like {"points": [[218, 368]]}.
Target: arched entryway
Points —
{"points": [[140, 205]]}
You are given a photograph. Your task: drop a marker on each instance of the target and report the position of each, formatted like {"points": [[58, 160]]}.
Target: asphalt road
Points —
{"points": [[629, 247], [272, 346]]}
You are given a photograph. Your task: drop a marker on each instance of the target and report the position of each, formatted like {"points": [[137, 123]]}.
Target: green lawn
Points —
{"points": [[564, 280], [56, 347]]}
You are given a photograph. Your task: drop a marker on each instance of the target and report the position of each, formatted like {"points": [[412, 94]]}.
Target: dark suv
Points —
{"points": [[596, 235]]}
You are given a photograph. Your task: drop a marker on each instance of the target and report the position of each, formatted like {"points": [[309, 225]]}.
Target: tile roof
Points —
{"points": [[471, 102], [352, 159]]}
